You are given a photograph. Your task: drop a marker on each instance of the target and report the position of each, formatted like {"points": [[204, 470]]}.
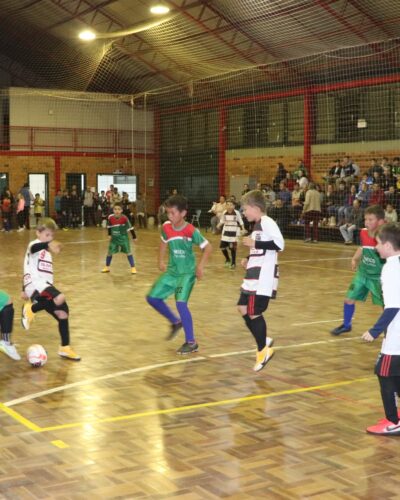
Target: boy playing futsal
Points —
{"points": [[387, 367], [261, 279], [6, 326], [118, 228], [179, 276], [38, 285], [231, 222], [368, 266]]}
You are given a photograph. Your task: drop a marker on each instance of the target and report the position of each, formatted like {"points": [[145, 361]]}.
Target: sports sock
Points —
{"points": [[233, 253], [6, 337], [63, 328], [108, 260], [38, 306], [348, 312], [161, 307], [187, 321], [258, 328], [247, 320], [6, 320], [226, 254], [131, 261]]}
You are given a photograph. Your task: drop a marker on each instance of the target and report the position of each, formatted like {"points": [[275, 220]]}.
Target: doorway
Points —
{"points": [[78, 180], [39, 183]]}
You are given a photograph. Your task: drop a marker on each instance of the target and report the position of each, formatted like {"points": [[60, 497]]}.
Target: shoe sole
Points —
{"points": [[186, 353], [23, 320], [4, 351], [67, 357], [339, 333], [395, 433], [265, 362]]}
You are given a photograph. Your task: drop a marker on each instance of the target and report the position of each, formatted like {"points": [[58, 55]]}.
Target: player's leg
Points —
{"points": [[112, 249], [6, 326], [388, 387], [224, 249], [126, 248], [358, 290], [183, 290], [233, 247], [161, 290]]}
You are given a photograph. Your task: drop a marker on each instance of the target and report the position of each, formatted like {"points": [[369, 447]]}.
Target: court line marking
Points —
{"points": [[59, 444], [109, 376], [19, 418], [324, 268], [209, 404], [313, 260]]}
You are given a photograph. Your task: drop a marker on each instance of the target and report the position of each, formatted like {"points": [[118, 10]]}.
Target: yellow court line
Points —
{"points": [[60, 444], [20, 419], [210, 404], [323, 268]]}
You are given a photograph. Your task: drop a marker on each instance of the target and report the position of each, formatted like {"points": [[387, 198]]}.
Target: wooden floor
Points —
{"points": [[135, 420]]}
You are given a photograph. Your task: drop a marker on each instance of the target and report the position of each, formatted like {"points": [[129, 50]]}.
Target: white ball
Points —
{"points": [[36, 355]]}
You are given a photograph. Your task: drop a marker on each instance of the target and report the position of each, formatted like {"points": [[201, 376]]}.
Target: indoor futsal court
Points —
{"points": [[111, 107]]}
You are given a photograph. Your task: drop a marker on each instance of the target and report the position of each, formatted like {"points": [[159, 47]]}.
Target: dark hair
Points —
{"points": [[390, 233], [376, 210], [178, 201]]}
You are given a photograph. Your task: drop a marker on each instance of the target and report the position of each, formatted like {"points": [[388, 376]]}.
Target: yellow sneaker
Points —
{"points": [[133, 270], [105, 270], [67, 352], [262, 358], [27, 315]]}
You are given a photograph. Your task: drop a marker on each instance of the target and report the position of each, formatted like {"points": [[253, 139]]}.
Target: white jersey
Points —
{"points": [[38, 269], [391, 296], [232, 224], [262, 272]]}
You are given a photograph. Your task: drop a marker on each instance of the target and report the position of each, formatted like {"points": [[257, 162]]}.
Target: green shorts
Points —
{"points": [[4, 299], [361, 286], [168, 284], [120, 245]]}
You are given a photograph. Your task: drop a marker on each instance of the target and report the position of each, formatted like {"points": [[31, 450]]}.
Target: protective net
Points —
{"points": [[218, 98]]}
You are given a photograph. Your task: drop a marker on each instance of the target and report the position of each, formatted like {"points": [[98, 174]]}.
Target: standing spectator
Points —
{"points": [[126, 206], [66, 208], [279, 212], [141, 211], [115, 197], [38, 207], [88, 207], [57, 207], [76, 209], [312, 213], [28, 197], [348, 204], [6, 207], [20, 212]]}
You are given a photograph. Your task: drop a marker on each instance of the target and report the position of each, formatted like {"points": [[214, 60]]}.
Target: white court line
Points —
{"points": [[313, 260], [82, 242], [60, 388], [315, 322], [29, 397]]}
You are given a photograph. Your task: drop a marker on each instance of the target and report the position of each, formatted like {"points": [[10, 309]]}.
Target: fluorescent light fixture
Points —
{"points": [[159, 9], [87, 35]]}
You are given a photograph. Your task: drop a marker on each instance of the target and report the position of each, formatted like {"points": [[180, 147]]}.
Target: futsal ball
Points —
{"points": [[36, 355]]}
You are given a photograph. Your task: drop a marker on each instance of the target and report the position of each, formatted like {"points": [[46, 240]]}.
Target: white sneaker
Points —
{"points": [[10, 350], [20, 229], [270, 341]]}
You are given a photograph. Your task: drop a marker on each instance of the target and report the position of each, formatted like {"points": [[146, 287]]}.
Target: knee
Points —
{"points": [[61, 314]]}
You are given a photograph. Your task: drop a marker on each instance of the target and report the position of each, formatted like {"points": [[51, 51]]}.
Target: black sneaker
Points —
{"points": [[175, 327], [187, 348], [341, 329]]}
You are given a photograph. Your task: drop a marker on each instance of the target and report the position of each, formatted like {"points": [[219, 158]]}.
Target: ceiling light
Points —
{"points": [[159, 9], [87, 35]]}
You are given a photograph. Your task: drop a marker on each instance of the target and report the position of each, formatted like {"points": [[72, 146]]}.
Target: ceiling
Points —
{"points": [[286, 42]]}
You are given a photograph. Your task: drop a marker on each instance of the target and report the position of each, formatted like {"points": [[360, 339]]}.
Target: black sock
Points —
{"points": [[63, 328], [258, 328], [226, 254], [247, 320], [233, 253], [38, 306], [6, 319]]}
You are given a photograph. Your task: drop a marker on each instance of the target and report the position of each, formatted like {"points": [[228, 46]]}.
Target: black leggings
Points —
{"points": [[390, 386]]}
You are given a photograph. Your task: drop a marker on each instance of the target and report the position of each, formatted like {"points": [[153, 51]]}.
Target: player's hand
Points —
{"points": [[199, 272], [248, 242], [354, 264], [162, 267], [243, 263], [55, 246], [367, 337]]}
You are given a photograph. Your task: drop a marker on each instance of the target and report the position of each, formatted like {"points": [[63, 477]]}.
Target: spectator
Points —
{"points": [[311, 213], [300, 170], [387, 179], [290, 181], [347, 173], [392, 197], [21, 212], [66, 208], [334, 172], [297, 204], [115, 197], [367, 179], [126, 206], [76, 209], [269, 195], [88, 207], [279, 177], [390, 213], [303, 182], [284, 194], [217, 209], [141, 211], [375, 167], [28, 197], [377, 196], [6, 211], [279, 212], [348, 204], [354, 222], [364, 195], [38, 208], [57, 206]]}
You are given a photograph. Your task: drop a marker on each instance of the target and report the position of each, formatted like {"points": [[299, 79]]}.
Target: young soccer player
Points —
{"points": [[118, 228], [387, 367], [38, 285], [231, 222], [368, 266], [38, 207], [261, 279], [180, 275], [6, 326]]}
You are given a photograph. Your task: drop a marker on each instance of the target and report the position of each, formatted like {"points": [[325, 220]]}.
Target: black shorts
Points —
{"points": [[228, 244], [387, 365], [49, 293], [256, 304]]}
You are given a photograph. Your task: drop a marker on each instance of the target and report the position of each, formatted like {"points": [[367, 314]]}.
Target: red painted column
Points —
{"points": [[57, 172], [157, 146], [222, 144], [308, 130]]}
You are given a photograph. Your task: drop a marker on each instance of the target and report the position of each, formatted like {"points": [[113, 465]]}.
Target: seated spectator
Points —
{"points": [[367, 179], [377, 196], [279, 212], [375, 167], [232, 198], [297, 204], [393, 197], [269, 195], [328, 206], [162, 215], [279, 177], [354, 221], [387, 179], [390, 213], [290, 181], [303, 181], [347, 173], [364, 195], [336, 211], [246, 189], [299, 170], [334, 172], [284, 194], [348, 204], [218, 208], [396, 167]]}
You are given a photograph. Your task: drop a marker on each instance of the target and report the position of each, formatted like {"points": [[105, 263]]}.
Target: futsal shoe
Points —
{"points": [[262, 358], [65, 351], [307, 240], [27, 315], [384, 428], [341, 329], [10, 350], [228, 263], [133, 270], [233, 266], [175, 327], [270, 341], [105, 270], [187, 348]]}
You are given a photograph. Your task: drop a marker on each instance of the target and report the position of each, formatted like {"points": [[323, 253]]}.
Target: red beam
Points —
{"points": [[157, 154], [57, 171], [308, 130], [222, 146]]}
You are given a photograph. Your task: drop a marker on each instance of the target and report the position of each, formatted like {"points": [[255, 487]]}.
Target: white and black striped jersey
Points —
{"points": [[38, 267], [262, 271], [232, 222]]}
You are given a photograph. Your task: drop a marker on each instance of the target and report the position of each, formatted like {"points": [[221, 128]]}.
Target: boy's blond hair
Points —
{"points": [[254, 198], [46, 223]]}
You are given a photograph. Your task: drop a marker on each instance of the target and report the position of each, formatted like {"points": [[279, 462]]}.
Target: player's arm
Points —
{"points": [[381, 325], [206, 252], [161, 256], [356, 258]]}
